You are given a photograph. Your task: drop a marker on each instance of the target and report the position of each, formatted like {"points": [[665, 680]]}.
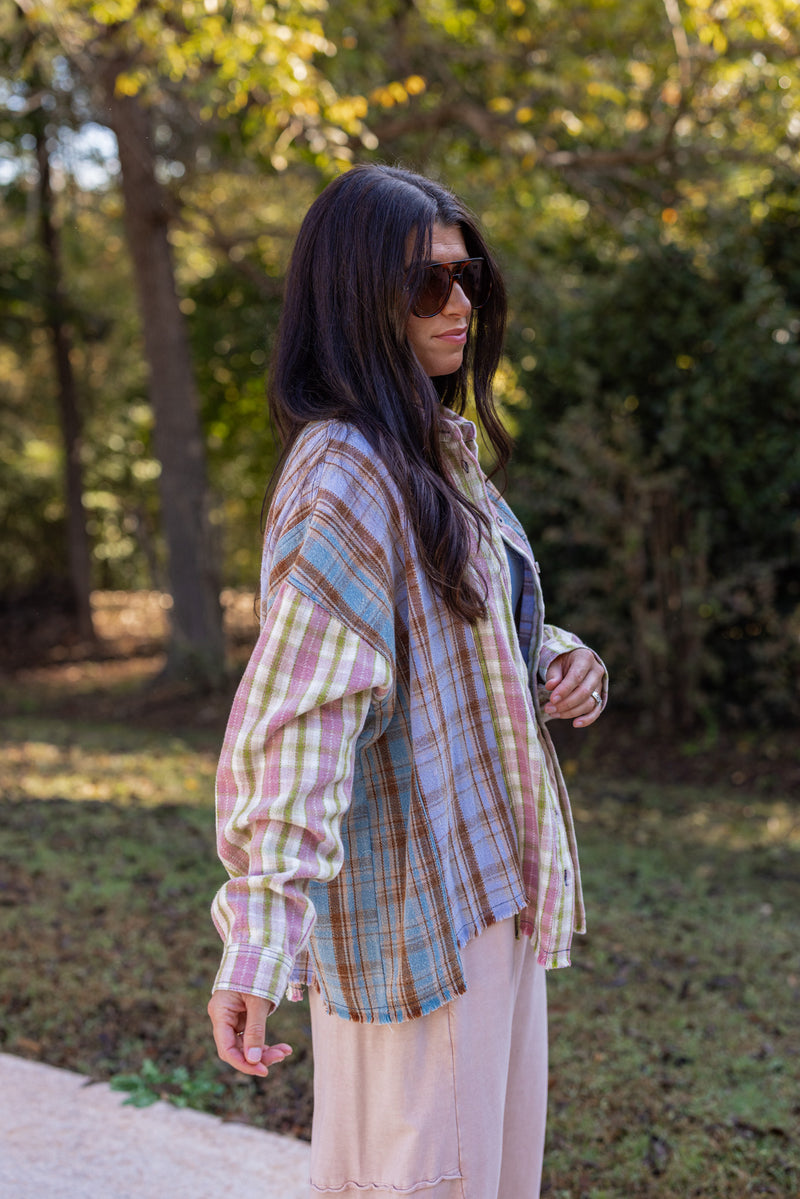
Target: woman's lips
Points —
{"points": [[454, 336]]}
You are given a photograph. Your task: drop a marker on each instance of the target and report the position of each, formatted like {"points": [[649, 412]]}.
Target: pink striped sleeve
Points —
{"points": [[284, 783]]}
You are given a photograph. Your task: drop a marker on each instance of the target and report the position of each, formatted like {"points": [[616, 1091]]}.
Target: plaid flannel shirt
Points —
{"points": [[387, 787]]}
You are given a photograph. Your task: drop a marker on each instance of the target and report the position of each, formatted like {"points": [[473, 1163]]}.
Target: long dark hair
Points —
{"points": [[342, 352]]}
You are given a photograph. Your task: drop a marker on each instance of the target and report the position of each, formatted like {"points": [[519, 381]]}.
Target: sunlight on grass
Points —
{"points": [[47, 759], [712, 817], [761, 825]]}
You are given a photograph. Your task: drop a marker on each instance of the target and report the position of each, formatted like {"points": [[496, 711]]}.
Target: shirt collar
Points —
{"points": [[458, 428]]}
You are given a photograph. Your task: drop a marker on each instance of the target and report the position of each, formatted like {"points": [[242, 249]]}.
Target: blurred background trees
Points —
{"points": [[636, 166]]}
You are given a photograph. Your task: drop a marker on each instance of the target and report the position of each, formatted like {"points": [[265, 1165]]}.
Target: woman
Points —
{"points": [[391, 812]]}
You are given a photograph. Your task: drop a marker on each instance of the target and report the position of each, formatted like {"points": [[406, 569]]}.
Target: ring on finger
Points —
{"points": [[597, 697]]}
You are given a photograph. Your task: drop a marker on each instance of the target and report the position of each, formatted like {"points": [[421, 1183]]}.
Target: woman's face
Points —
{"points": [[438, 341]]}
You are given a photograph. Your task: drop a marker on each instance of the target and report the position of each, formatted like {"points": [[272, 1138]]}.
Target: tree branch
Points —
{"points": [[672, 9], [266, 286], [450, 114]]}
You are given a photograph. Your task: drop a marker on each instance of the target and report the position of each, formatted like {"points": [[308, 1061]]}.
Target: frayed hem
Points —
{"points": [[393, 1015], [386, 1188]]}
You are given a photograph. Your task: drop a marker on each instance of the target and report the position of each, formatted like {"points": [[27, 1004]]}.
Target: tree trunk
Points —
{"points": [[196, 645], [79, 556]]}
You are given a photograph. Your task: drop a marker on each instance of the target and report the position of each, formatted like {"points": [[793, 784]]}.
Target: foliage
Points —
{"points": [[119, 469], [590, 137], [663, 400], [179, 1086], [649, 105], [231, 325], [106, 352], [224, 79]]}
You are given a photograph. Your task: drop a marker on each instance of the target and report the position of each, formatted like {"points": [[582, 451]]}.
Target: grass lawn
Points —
{"points": [[675, 1037]]}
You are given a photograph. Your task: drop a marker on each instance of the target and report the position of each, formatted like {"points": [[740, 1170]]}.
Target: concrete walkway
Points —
{"points": [[63, 1137]]}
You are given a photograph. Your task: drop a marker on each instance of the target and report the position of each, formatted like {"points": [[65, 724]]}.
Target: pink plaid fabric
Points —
{"points": [[387, 787]]}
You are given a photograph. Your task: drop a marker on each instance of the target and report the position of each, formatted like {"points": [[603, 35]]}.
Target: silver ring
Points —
{"points": [[598, 699]]}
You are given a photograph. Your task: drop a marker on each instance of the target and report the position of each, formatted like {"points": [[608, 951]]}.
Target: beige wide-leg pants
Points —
{"points": [[449, 1106]]}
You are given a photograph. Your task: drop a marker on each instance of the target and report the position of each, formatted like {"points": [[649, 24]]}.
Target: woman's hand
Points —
{"points": [[574, 680], [239, 1022]]}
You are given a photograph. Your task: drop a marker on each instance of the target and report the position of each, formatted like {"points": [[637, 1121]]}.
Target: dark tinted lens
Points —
{"points": [[435, 288], [431, 295], [475, 283]]}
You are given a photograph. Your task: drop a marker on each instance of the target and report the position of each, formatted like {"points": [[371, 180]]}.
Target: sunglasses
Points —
{"points": [[437, 284]]}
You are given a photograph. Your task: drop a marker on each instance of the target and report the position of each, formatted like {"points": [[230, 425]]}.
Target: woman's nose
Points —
{"points": [[458, 301]]}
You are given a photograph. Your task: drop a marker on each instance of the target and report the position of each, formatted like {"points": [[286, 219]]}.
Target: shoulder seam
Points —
{"points": [[315, 602]]}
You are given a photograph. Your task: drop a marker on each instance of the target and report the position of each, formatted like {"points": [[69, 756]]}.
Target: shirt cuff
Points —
{"points": [[556, 642], [254, 970]]}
